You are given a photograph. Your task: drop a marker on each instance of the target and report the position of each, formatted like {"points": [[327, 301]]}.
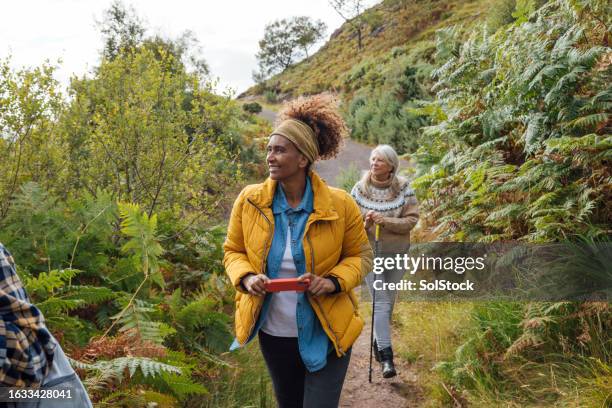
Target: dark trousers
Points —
{"points": [[294, 385]]}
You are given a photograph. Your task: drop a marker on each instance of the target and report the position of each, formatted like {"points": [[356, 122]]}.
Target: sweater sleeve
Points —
{"points": [[407, 218]]}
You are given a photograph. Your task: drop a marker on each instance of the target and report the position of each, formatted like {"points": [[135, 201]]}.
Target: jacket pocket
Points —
{"points": [[341, 312]]}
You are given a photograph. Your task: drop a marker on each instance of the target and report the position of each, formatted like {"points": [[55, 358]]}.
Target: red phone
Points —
{"points": [[281, 285]]}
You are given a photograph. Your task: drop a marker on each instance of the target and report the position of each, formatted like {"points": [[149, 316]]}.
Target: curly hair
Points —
{"points": [[321, 114]]}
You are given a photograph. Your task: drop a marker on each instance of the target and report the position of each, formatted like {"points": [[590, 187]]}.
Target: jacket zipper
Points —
{"points": [[263, 261], [317, 300]]}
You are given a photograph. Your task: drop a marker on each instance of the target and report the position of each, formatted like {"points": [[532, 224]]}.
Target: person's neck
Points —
{"points": [[294, 189], [380, 183], [380, 178]]}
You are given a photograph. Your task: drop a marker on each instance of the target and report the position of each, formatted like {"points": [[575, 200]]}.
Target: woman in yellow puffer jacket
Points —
{"points": [[294, 225]]}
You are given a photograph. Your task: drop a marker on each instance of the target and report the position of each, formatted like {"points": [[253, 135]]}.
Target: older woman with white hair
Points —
{"points": [[386, 199]]}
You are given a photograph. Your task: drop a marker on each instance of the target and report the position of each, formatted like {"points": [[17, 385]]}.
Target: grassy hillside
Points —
{"points": [[404, 27]]}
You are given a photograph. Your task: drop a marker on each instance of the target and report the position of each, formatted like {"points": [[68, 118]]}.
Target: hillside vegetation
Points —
{"points": [[409, 25]]}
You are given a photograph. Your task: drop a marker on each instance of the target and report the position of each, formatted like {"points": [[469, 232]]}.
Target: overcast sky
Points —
{"points": [[228, 31]]}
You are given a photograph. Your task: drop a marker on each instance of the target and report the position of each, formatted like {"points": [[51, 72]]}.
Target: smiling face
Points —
{"points": [[284, 159], [379, 167]]}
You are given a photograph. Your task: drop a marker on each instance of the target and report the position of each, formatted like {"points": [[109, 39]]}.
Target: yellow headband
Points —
{"points": [[301, 135]]}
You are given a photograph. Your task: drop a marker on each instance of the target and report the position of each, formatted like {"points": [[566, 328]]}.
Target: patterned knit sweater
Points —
{"points": [[400, 212]]}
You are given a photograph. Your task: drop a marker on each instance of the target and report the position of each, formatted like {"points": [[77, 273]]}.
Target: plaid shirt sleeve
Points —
{"points": [[26, 345]]}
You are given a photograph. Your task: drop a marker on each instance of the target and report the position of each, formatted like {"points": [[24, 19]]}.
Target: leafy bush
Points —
{"points": [[169, 140], [114, 133], [252, 107], [383, 115], [521, 133], [33, 150], [101, 275], [271, 96]]}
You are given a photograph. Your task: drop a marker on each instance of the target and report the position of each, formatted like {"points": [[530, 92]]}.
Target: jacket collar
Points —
{"points": [[323, 207], [280, 204]]}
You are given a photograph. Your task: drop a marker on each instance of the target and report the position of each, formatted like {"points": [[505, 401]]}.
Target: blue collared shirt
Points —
{"points": [[312, 340]]}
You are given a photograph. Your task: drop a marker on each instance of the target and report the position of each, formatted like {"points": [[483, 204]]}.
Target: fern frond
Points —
{"points": [[47, 283], [589, 121], [115, 370], [91, 295], [143, 242], [135, 318]]}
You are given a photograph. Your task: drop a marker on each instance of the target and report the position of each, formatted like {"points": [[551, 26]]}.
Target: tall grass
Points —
{"points": [[429, 332], [245, 384], [509, 354]]}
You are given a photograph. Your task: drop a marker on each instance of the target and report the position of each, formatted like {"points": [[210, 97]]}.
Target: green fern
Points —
{"points": [[143, 243], [135, 319], [117, 369], [90, 295], [524, 141], [46, 284], [204, 325]]}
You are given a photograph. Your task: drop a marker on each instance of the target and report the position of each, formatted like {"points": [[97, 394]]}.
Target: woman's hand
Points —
{"points": [[318, 285], [255, 284], [368, 219], [373, 217]]}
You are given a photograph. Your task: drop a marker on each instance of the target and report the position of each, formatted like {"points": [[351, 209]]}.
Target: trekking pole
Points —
{"points": [[376, 237]]}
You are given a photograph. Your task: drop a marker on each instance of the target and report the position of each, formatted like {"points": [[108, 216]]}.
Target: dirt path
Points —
{"points": [[398, 392], [401, 391], [268, 114], [353, 153]]}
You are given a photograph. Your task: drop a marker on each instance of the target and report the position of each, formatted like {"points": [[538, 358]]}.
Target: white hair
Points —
{"points": [[389, 156]]}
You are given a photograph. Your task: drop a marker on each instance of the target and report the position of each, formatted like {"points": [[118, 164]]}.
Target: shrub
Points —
{"points": [[384, 115], [525, 127], [116, 286], [271, 96], [521, 138], [252, 107]]}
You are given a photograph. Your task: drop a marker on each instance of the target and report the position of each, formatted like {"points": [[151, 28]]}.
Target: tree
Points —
{"points": [[277, 50], [352, 11], [124, 31], [29, 103], [285, 42], [307, 31], [149, 132], [121, 29]]}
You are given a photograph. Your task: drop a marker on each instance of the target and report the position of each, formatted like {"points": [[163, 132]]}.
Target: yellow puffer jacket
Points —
{"points": [[335, 244]]}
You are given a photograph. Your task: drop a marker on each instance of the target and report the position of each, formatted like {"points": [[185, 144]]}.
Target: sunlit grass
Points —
{"points": [[430, 332], [408, 26], [245, 384]]}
